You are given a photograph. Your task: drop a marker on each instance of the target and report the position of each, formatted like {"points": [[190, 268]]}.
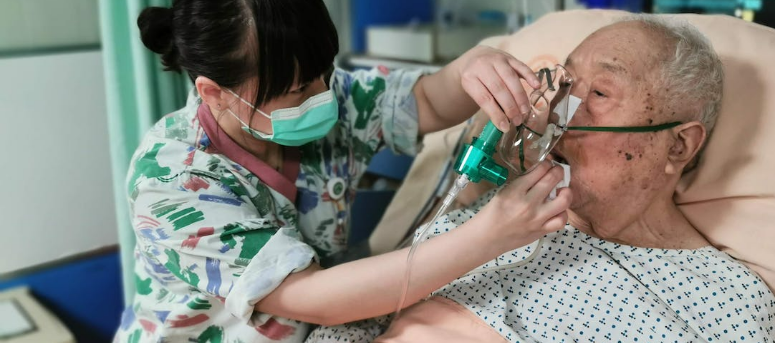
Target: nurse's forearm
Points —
{"points": [[371, 287], [441, 100]]}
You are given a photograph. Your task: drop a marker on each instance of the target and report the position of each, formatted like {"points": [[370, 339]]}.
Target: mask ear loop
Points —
{"points": [[249, 104]]}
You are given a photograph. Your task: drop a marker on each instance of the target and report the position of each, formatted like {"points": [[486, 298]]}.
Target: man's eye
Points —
{"points": [[599, 93]]}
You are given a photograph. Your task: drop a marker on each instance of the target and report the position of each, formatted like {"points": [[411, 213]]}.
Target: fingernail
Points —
{"points": [[525, 109], [504, 126]]}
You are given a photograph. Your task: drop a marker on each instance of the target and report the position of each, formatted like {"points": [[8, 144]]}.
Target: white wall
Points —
{"points": [[36, 24], [56, 197], [339, 10]]}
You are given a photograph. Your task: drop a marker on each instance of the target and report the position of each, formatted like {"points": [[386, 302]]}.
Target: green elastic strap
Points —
{"points": [[654, 128], [531, 130]]}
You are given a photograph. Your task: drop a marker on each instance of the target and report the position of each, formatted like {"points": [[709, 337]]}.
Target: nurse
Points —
{"points": [[235, 197]]}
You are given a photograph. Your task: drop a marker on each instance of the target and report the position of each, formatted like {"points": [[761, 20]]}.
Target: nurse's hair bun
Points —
{"points": [[157, 34]]}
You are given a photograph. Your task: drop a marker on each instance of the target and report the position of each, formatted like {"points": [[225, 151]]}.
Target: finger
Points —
{"points": [[559, 205], [556, 223], [540, 191], [524, 71], [511, 79], [528, 181], [501, 91], [479, 93]]}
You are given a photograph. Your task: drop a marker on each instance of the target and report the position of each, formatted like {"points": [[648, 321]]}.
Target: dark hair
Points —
{"points": [[230, 41]]}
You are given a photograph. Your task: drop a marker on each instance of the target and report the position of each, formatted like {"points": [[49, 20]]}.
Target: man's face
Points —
{"points": [[614, 176]]}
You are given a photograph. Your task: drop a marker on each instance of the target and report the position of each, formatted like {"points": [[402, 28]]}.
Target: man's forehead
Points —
{"points": [[622, 49], [611, 64]]}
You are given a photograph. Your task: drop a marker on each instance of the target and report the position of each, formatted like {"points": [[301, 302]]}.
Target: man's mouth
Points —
{"points": [[558, 157]]}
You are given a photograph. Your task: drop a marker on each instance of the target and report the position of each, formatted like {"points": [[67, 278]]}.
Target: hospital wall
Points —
{"points": [[58, 233], [44, 25], [57, 199]]}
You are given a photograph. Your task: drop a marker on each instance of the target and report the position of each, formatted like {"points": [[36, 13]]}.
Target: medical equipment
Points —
{"points": [[522, 149], [551, 108], [476, 161], [296, 126]]}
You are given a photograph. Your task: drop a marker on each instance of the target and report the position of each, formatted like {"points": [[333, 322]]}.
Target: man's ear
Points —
{"points": [[688, 140], [211, 92]]}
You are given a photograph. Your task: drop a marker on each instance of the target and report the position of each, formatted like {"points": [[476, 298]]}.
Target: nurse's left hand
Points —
{"points": [[492, 78]]}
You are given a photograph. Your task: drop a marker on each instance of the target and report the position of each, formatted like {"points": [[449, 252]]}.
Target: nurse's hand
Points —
{"points": [[520, 213], [492, 78]]}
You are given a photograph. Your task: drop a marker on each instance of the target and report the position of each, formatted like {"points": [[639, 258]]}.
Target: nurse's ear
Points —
{"points": [[212, 94]]}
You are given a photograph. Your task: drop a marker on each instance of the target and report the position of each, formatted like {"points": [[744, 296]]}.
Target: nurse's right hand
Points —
{"points": [[520, 213]]}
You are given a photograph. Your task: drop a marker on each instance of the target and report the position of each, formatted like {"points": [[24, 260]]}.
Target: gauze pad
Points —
{"points": [[565, 179], [573, 105]]}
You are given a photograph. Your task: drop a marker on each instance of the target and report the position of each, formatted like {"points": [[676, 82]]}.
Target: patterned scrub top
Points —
{"points": [[217, 229], [579, 288]]}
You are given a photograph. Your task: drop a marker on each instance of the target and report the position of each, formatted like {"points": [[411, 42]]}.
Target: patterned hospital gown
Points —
{"points": [[217, 229], [583, 289]]}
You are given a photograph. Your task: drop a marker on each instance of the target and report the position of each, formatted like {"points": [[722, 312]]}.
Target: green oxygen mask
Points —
{"points": [[476, 159], [525, 145]]}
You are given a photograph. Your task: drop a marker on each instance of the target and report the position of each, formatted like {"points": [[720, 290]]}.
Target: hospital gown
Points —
{"points": [[217, 229], [583, 289]]}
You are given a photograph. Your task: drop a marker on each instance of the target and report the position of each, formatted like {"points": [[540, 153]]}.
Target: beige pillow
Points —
{"points": [[730, 197]]}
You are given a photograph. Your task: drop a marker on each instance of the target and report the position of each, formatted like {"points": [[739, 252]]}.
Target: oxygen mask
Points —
{"points": [[552, 106]]}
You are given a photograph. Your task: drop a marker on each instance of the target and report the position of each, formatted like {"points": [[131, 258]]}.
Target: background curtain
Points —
{"points": [[138, 93]]}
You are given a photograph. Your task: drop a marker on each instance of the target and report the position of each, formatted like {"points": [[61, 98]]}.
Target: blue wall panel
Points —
{"points": [[377, 12], [628, 5]]}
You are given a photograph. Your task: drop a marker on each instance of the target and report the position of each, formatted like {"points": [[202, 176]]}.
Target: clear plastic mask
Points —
{"points": [[525, 146]]}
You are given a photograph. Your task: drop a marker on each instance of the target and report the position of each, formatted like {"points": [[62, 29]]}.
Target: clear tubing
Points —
{"points": [[460, 183], [510, 265]]}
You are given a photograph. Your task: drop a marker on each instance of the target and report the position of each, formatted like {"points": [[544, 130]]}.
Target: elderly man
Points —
{"points": [[629, 266]]}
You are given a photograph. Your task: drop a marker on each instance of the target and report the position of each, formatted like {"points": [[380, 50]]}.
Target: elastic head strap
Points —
{"points": [[635, 129]]}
